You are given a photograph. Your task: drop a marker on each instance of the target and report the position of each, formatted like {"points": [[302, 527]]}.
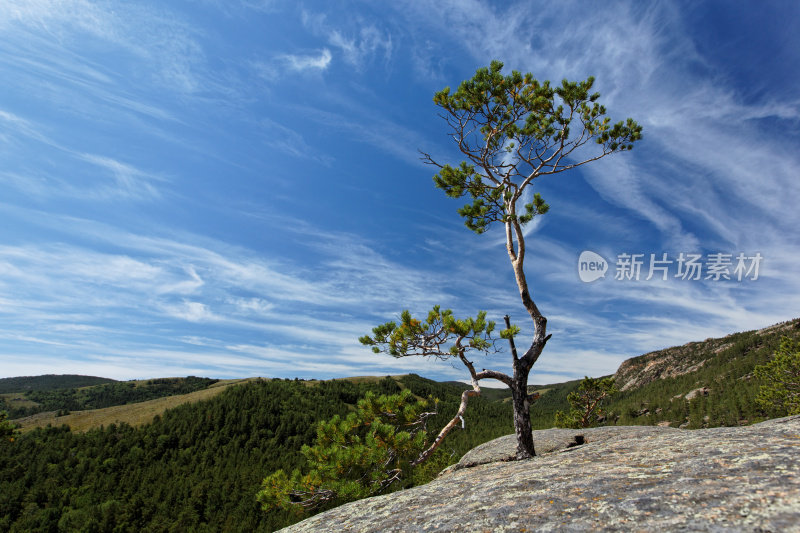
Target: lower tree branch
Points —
{"points": [[450, 425], [476, 391], [493, 374]]}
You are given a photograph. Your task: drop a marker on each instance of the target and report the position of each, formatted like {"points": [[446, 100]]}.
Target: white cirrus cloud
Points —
{"points": [[302, 63]]}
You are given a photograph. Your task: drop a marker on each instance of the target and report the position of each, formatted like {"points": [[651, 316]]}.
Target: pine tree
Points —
{"points": [[7, 428], [511, 130], [366, 453], [587, 403], [780, 391]]}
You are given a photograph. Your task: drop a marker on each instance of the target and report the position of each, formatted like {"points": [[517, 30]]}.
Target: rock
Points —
{"points": [[702, 391], [672, 362], [623, 478], [547, 441]]}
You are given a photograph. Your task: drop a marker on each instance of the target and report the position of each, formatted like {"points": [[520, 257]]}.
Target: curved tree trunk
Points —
{"points": [[522, 366]]}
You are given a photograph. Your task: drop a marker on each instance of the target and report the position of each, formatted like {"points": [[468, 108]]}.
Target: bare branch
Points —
{"points": [[428, 160], [511, 338], [447, 428], [492, 374]]}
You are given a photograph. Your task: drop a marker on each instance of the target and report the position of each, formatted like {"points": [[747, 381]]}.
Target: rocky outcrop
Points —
{"points": [[672, 362], [602, 479], [702, 391], [679, 360]]}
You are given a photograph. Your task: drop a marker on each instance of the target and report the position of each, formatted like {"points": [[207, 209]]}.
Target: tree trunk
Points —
{"points": [[522, 416]]}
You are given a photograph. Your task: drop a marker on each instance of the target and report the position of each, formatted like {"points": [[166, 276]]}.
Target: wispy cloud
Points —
{"points": [[173, 284], [26, 136], [301, 63], [146, 34], [13, 126], [129, 181], [358, 44], [290, 142], [356, 50], [190, 311], [370, 127]]}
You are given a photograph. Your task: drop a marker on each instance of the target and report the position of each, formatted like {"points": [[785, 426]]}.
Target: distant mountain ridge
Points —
{"points": [[53, 397], [49, 382], [679, 360], [699, 384]]}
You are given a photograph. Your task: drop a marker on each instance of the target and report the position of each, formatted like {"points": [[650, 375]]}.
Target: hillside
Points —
{"points": [[692, 357], [23, 384], [701, 384], [51, 396], [197, 467], [133, 414]]}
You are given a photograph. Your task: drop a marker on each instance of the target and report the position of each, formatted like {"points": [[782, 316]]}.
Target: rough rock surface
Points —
{"points": [[620, 479], [548, 441]]}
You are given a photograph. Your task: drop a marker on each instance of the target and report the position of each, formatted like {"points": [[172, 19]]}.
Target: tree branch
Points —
{"points": [[493, 374], [450, 425], [511, 338]]}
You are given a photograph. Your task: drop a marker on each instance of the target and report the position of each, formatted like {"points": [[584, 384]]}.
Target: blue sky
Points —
{"points": [[233, 188]]}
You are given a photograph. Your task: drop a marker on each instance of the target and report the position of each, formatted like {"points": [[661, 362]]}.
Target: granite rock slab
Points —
{"points": [[620, 479]]}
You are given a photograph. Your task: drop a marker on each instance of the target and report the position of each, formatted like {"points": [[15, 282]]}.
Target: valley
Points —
{"points": [[193, 461]]}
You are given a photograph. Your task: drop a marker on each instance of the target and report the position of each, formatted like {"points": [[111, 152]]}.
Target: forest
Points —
{"points": [[49, 382], [199, 466]]}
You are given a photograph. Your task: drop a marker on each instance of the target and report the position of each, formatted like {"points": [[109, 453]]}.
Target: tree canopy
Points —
{"points": [[513, 129]]}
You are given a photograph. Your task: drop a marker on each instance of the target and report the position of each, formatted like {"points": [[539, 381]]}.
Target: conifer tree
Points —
{"points": [[7, 428], [511, 130], [587, 403], [367, 453], [780, 390]]}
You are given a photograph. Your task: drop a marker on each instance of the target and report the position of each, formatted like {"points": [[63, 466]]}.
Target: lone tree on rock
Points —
{"points": [[511, 130]]}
